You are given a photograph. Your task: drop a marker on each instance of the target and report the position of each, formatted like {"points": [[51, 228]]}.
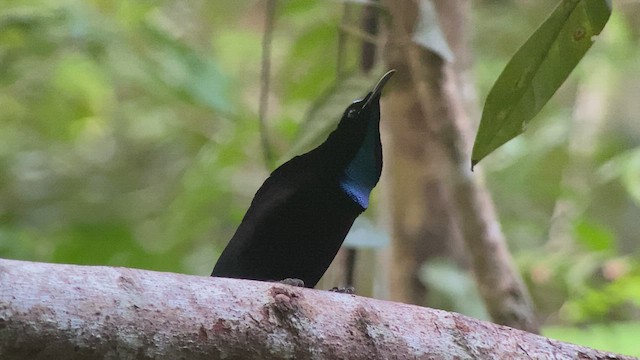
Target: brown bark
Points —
{"points": [[53, 311], [432, 120], [421, 218]]}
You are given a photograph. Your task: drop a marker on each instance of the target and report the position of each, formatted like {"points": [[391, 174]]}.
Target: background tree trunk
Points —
{"points": [[433, 191], [423, 226]]}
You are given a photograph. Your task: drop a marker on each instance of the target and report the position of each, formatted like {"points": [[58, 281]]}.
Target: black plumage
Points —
{"points": [[300, 216]]}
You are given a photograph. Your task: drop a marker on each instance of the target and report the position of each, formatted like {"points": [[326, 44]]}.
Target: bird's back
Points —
{"points": [[294, 227]]}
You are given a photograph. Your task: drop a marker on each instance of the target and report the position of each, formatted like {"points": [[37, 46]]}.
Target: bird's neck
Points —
{"points": [[363, 172]]}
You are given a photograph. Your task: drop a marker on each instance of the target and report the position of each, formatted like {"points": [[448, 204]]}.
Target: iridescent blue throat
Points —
{"points": [[362, 173]]}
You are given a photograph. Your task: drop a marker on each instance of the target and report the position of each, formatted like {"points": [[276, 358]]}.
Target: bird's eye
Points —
{"points": [[352, 113]]}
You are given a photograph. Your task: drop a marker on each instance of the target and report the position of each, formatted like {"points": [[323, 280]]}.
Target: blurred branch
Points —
{"points": [[342, 39], [358, 33], [370, 26], [265, 82], [57, 311], [27, 17]]}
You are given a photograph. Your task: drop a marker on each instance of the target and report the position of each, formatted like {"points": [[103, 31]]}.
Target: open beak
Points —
{"points": [[377, 90]]}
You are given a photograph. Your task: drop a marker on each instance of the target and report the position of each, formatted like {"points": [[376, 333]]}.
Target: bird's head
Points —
{"points": [[367, 109], [359, 133]]}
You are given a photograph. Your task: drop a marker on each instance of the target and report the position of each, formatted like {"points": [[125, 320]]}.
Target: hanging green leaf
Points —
{"points": [[537, 70]]}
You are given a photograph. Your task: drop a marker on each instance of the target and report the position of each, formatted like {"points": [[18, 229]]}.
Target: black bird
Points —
{"points": [[300, 216]]}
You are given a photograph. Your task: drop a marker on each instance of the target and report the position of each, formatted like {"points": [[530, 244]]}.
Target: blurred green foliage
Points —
{"points": [[128, 131], [576, 172], [129, 137]]}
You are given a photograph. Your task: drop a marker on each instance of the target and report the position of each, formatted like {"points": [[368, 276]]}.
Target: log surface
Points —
{"points": [[53, 311]]}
